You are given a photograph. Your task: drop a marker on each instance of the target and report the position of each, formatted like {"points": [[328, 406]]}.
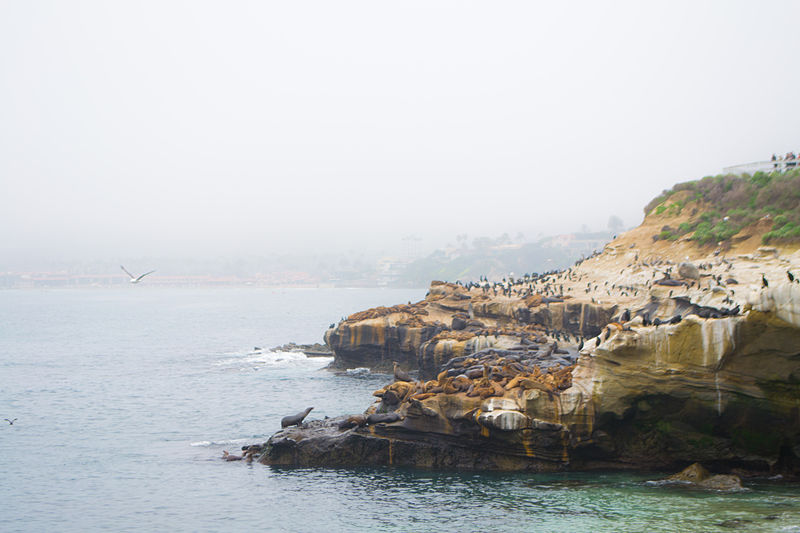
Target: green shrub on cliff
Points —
{"points": [[734, 202]]}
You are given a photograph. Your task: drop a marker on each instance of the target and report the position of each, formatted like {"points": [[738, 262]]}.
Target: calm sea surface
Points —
{"points": [[126, 398]]}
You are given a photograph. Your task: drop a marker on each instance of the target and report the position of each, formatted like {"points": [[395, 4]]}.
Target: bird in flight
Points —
{"points": [[10, 422], [134, 279]]}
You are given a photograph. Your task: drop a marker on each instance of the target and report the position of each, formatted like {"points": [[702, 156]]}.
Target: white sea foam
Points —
{"points": [[257, 359], [224, 442]]}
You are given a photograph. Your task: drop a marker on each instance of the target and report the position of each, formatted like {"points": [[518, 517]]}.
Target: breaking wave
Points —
{"points": [[260, 359]]}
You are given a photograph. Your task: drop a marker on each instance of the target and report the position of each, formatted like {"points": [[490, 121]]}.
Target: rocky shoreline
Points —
{"points": [[649, 355], [310, 350]]}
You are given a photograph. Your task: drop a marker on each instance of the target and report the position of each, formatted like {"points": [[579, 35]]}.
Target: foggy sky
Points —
{"points": [[210, 127]]}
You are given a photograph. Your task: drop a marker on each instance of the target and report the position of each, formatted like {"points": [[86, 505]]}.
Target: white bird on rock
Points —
{"points": [[134, 279]]}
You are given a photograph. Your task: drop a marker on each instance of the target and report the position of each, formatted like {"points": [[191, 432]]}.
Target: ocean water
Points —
{"points": [[126, 398]]}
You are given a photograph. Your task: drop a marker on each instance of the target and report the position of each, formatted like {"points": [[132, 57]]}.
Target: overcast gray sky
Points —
{"points": [[211, 127]]}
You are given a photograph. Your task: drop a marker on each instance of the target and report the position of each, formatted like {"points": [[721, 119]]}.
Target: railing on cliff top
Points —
{"points": [[763, 166]]}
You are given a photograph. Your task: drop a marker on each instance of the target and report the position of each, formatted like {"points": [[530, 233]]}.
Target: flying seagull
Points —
{"points": [[10, 422], [134, 279]]}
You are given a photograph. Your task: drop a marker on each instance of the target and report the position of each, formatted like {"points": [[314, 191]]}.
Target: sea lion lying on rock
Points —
{"points": [[396, 393], [353, 421], [383, 418]]}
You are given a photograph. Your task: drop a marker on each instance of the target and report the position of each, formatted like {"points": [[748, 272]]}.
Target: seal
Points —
{"points": [[382, 418], [295, 420], [230, 457], [400, 375], [353, 421]]}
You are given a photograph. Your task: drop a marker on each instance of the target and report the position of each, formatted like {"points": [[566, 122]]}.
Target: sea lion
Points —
{"points": [[352, 422], [230, 457], [248, 457], [295, 420], [422, 396], [400, 375], [461, 382], [403, 389], [391, 398], [429, 385], [383, 418], [449, 387], [513, 382]]}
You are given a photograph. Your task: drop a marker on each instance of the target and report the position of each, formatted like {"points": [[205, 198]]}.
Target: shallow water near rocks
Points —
{"points": [[126, 398]]}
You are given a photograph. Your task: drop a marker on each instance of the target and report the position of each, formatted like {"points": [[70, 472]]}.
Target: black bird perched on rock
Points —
{"points": [[10, 422], [646, 319], [764, 282], [580, 346], [656, 321], [400, 375], [626, 316], [790, 276]]}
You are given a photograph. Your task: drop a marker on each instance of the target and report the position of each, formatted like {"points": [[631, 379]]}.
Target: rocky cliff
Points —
{"points": [[654, 353]]}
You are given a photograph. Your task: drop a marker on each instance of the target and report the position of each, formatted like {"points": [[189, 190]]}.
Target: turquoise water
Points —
{"points": [[126, 398]]}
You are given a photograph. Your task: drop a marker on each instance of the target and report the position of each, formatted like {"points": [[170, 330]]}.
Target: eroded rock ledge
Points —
{"points": [[639, 357]]}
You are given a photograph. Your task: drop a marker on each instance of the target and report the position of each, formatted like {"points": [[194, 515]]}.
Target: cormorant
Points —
{"points": [[764, 282]]}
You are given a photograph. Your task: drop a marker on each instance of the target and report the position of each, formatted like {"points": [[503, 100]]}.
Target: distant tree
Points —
{"points": [[482, 243]]}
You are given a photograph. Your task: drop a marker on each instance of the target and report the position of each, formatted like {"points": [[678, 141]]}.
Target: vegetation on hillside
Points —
{"points": [[731, 203]]}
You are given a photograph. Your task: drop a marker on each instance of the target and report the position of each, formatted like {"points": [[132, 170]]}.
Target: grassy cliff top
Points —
{"points": [[717, 209]]}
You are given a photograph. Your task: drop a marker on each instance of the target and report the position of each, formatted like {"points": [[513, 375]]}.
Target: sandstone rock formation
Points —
{"points": [[650, 354]]}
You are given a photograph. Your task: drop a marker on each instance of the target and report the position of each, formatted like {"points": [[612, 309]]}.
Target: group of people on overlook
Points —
{"points": [[790, 160]]}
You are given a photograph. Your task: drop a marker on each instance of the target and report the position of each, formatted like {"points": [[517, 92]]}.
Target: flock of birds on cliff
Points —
{"points": [[494, 372]]}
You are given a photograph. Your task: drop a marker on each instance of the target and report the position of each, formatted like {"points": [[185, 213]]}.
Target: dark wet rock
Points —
{"points": [[322, 443]]}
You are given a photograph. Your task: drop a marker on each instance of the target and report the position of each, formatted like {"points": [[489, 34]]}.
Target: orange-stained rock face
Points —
{"points": [[685, 355]]}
